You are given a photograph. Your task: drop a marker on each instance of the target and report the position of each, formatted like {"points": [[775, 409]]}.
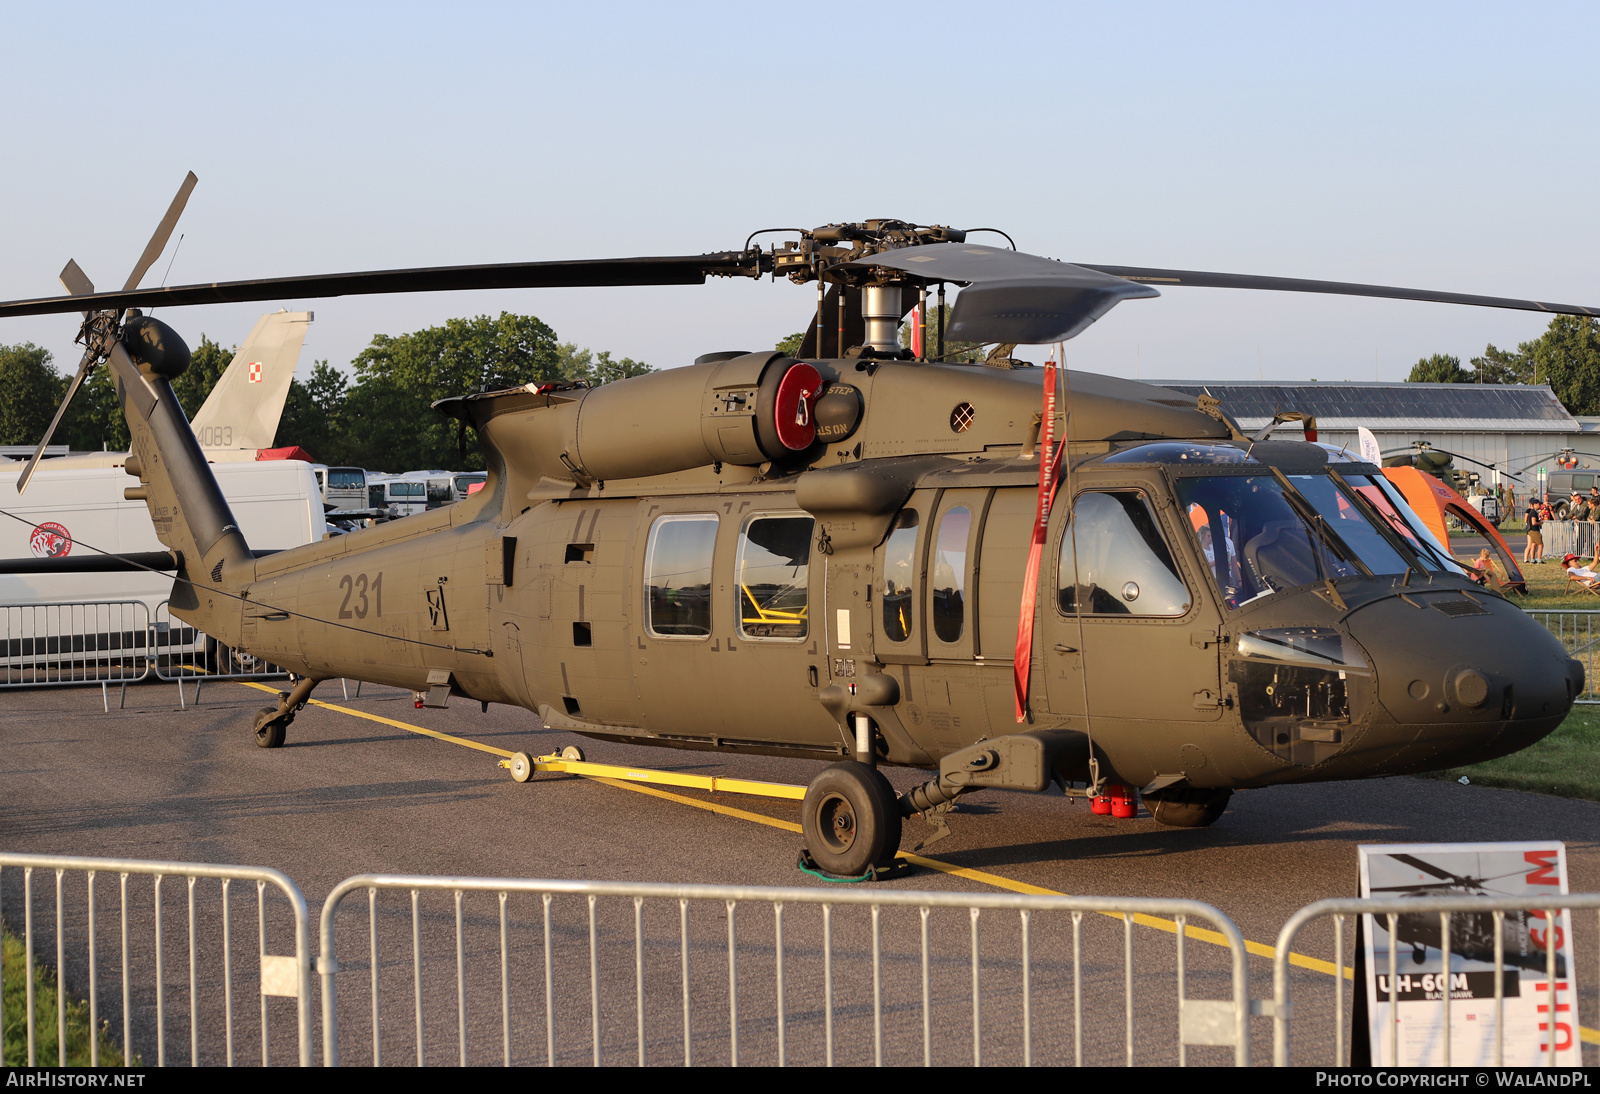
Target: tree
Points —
{"points": [[1498, 366], [585, 366], [207, 362], [31, 391], [790, 346], [1567, 357], [388, 417], [1441, 368], [95, 421], [314, 415]]}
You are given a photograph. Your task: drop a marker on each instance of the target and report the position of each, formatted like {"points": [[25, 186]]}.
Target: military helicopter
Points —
{"points": [[837, 555], [1471, 934]]}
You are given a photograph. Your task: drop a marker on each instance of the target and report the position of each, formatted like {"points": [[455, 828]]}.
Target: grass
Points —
{"points": [[1562, 764], [15, 1010], [1547, 582]]}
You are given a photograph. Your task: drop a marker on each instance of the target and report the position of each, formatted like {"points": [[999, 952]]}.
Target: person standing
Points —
{"points": [[1533, 519]]}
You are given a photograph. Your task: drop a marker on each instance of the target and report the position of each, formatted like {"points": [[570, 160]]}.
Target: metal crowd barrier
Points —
{"points": [[1392, 909], [1560, 537], [47, 645], [186, 654], [146, 979], [1576, 630], [638, 943]]}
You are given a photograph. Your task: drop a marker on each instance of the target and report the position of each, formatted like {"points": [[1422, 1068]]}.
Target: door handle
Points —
{"points": [[1062, 648]]}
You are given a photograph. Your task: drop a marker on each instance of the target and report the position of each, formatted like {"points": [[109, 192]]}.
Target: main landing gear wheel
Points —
{"points": [[272, 727], [851, 819], [1187, 808]]}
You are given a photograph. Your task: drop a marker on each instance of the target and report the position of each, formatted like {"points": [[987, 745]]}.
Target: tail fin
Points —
{"points": [[243, 409], [186, 505]]}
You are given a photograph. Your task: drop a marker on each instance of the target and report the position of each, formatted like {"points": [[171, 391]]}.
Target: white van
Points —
{"points": [[400, 496], [65, 513]]}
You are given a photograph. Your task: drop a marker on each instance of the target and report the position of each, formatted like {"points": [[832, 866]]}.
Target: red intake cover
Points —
{"points": [[798, 392]]}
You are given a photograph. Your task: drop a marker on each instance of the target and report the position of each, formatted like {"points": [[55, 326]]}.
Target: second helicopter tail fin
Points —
{"points": [[243, 409]]}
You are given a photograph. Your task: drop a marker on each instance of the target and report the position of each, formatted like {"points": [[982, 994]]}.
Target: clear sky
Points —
{"points": [[1435, 145]]}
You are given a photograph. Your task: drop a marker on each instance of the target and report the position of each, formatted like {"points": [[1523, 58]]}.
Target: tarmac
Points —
{"points": [[349, 795]]}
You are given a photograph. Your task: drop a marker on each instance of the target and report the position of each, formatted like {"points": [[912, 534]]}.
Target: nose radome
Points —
{"points": [[1436, 665]]}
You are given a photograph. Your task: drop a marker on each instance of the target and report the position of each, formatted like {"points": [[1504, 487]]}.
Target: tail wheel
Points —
{"points": [[271, 727], [851, 819], [1187, 808]]}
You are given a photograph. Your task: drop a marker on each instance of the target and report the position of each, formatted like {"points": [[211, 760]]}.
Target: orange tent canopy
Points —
{"points": [[1433, 499]]}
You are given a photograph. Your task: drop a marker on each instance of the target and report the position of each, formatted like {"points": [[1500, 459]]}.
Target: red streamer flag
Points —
{"points": [[1049, 477]]}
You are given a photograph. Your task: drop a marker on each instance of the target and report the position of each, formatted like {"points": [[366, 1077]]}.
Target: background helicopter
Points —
{"points": [[837, 555], [1471, 934]]}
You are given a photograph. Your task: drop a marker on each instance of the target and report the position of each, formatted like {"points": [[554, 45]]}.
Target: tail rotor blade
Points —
{"points": [[61, 411], [76, 281], [158, 242]]}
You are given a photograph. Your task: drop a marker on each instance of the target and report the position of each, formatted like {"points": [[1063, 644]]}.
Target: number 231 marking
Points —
{"points": [[358, 587]]}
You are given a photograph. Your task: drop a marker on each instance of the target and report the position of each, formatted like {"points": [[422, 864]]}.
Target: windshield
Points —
{"points": [[1350, 524], [346, 478], [1392, 507], [1254, 541]]}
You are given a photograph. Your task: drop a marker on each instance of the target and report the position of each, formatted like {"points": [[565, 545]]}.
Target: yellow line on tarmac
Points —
{"points": [[391, 722], [1199, 934]]}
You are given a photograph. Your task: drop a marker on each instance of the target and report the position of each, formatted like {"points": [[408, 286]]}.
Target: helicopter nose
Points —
{"points": [[1465, 678]]}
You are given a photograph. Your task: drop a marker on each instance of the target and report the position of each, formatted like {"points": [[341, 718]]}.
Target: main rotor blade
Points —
{"points": [[72, 389], [158, 241], [1153, 276], [584, 273], [1012, 296]]}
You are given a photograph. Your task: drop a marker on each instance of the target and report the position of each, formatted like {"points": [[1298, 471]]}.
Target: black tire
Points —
{"points": [[851, 819], [271, 728], [1187, 808]]}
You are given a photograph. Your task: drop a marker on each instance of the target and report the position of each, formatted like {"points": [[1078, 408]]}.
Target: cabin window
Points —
{"points": [[678, 575], [1114, 560], [950, 574], [774, 563], [900, 578]]}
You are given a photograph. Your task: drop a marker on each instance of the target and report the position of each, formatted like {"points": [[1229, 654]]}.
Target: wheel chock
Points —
{"points": [[898, 868]]}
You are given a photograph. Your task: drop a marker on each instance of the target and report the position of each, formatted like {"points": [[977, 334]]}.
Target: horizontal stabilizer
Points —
{"points": [[92, 564]]}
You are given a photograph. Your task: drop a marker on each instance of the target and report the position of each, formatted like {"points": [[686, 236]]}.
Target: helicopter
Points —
{"points": [[1471, 933], [855, 554]]}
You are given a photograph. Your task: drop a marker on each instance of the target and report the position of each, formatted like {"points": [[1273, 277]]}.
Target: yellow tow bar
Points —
{"points": [[523, 767]]}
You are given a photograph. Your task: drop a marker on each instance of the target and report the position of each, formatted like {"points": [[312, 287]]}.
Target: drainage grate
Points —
{"points": [[1458, 606]]}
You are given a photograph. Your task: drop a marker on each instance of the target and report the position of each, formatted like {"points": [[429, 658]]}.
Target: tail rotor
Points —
{"points": [[102, 329]]}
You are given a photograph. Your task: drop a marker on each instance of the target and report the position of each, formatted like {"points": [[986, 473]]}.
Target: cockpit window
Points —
{"points": [[1114, 560], [1254, 541], [1350, 524], [1392, 507]]}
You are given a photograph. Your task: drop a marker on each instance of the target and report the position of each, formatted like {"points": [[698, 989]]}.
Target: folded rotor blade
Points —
{"points": [[1152, 276], [1012, 296], [158, 241], [72, 389], [585, 273]]}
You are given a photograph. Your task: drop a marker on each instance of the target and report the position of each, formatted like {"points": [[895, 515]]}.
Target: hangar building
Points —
{"points": [[1519, 429]]}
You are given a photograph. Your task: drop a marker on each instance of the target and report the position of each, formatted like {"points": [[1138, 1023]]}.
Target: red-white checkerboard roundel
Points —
{"points": [[255, 372]]}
